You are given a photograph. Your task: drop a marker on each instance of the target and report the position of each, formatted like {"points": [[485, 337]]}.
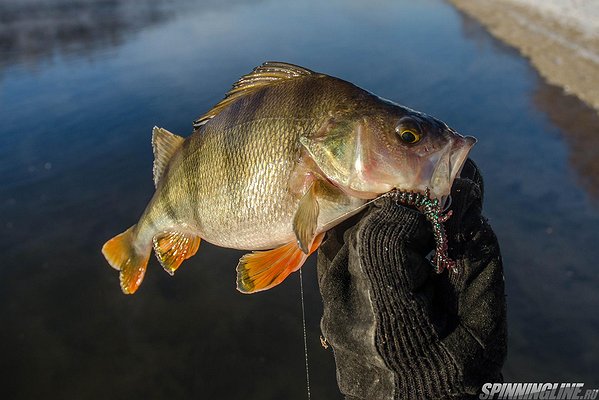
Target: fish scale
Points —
{"points": [[236, 196]]}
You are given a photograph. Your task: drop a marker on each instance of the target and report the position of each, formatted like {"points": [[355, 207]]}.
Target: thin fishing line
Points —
{"points": [[305, 336]]}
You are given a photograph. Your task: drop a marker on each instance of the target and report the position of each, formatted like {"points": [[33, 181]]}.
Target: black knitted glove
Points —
{"points": [[397, 329]]}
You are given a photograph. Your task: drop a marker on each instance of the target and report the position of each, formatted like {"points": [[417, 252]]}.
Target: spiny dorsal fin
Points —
{"points": [[164, 144], [265, 74]]}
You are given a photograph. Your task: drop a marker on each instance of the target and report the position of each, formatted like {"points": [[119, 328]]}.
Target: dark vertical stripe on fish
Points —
{"points": [[168, 204], [190, 183]]}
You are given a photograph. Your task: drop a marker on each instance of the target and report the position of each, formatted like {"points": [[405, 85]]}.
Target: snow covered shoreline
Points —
{"points": [[560, 37]]}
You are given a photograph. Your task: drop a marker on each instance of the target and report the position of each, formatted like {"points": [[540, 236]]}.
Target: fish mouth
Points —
{"points": [[449, 166]]}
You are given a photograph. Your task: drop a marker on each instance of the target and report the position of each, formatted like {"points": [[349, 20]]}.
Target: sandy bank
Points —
{"points": [[560, 37]]}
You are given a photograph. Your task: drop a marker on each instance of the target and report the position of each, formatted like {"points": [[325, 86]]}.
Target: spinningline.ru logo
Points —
{"points": [[537, 391]]}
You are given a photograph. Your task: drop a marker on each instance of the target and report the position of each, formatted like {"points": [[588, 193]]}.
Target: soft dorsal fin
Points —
{"points": [[261, 76], [164, 144]]}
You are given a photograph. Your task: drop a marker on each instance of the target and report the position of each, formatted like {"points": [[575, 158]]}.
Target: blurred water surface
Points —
{"points": [[83, 82]]}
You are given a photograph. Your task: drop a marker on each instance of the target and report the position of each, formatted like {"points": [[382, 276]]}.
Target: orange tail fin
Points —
{"points": [[121, 254], [262, 270]]}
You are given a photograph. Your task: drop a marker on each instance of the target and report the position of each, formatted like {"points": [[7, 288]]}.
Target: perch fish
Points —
{"points": [[287, 154]]}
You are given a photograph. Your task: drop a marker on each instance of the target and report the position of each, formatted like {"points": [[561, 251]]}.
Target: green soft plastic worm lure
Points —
{"points": [[434, 213]]}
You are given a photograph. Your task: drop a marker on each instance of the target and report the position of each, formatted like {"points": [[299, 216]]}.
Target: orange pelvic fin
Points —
{"points": [[122, 255], [172, 248], [262, 270]]}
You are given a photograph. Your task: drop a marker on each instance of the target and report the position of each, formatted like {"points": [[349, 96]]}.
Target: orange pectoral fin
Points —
{"points": [[172, 248], [262, 270]]}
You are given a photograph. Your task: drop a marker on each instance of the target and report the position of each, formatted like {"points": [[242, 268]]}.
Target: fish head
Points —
{"points": [[396, 148]]}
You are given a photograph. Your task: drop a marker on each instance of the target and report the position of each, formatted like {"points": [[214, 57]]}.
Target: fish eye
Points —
{"points": [[409, 135]]}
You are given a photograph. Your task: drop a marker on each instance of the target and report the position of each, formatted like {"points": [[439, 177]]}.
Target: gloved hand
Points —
{"points": [[397, 329]]}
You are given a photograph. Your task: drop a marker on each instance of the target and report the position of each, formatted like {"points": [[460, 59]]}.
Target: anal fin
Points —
{"points": [[262, 270], [172, 248]]}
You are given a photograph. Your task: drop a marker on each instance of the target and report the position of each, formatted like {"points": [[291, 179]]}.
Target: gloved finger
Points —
{"points": [[417, 269], [395, 240], [406, 224], [417, 281], [466, 211], [471, 171], [467, 198]]}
